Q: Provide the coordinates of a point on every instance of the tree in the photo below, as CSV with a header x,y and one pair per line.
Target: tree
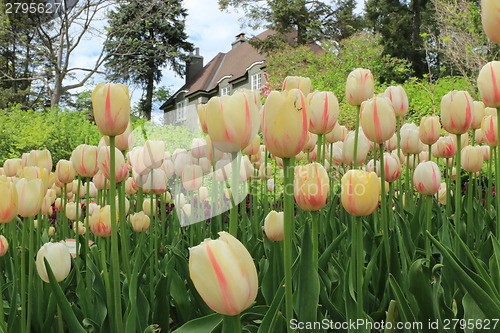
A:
x,y
144,37
313,20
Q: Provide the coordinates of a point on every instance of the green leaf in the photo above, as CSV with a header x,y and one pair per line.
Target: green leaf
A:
x,y
204,324
270,318
420,287
404,306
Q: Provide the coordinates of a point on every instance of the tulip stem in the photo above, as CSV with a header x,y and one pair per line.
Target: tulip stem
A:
x,y
448,188
30,224
87,257
356,135
357,259
233,215
458,188
489,194
288,231
314,224
398,137
497,178
122,219
430,153
231,324
23,276
428,226
383,207
115,263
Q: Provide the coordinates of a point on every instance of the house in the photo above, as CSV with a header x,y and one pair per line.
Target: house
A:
x,y
241,67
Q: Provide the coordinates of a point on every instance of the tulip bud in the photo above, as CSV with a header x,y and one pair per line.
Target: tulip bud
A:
x,y
486,152
399,99
192,177
59,259
472,158
84,160
456,112
9,201
441,195
186,209
131,186
41,159
65,172
51,231
490,112
180,161
111,103
4,245
427,178
203,193
430,129
198,148
479,136
153,153
232,121
71,211
99,180
490,130
477,114
360,192
100,222
311,186
377,119
104,163
270,185
224,274
146,207
30,196
392,167
446,147
12,167
253,146
156,182
273,226
79,228
297,82
285,123
338,133
323,109
140,221
490,16
359,86
348,149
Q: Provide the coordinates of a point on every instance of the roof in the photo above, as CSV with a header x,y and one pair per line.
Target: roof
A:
x,y
233,64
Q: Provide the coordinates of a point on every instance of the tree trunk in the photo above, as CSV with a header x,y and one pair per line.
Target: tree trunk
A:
x,y
148,100
418,63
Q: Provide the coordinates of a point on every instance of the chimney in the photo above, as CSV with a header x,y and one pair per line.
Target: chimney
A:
x,y
240,39
194,65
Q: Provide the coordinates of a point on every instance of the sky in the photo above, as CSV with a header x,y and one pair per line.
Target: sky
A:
x,y
209,29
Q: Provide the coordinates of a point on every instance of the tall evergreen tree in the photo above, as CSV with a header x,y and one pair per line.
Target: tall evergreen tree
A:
x,y
144,37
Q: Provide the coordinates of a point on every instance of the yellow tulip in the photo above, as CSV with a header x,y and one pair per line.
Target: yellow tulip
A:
x,y
100,221
41,159
65,171
111,103
12,167
323,108
202,116
8,203
273,226
338,133
297,82
285,123
84,159
224,274
104,164
140,221
30,196
360,192
377,119
478,111
430,129
310,186
490,17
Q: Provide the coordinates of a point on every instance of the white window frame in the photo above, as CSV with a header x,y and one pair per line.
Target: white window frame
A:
x,y
256,81
225,90
180,111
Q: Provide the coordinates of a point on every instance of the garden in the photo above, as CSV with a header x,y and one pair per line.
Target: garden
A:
x,y
277,217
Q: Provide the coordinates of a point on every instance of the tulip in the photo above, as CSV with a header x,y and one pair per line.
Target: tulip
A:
x,y
377,119
253,146
180,162
224,274
486,152
285,123
79,228
203,193
12,167
338,133
30,196
429,130
273,226
65,172
360,192
410,139
399,99
9,201
59,259
153,153
392,167
41,159
104,163
490,17
71,211
490,112
93,207
479,136
111,103
4,245
99,180
490,130
348,149
392,143
131,186
51,231
232,121
323,108
186,209
456,112
202,117
146,207
192,177
359,86
212,152
140,221
472,158
478,110
270,185
198,148
156,182
84,159
265,171
123,141
100,222
25,160
311,186
427,178
441,195
312,140
446,147
297,82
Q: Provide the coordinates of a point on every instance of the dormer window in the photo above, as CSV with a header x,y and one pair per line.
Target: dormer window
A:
x,y
180,111
225,90
256,81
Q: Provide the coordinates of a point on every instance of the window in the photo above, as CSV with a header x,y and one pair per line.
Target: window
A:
x,y
256,81
225,91
180,112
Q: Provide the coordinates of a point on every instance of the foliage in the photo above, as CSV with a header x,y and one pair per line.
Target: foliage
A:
x,y
56,130
174,136
143,38
327,69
